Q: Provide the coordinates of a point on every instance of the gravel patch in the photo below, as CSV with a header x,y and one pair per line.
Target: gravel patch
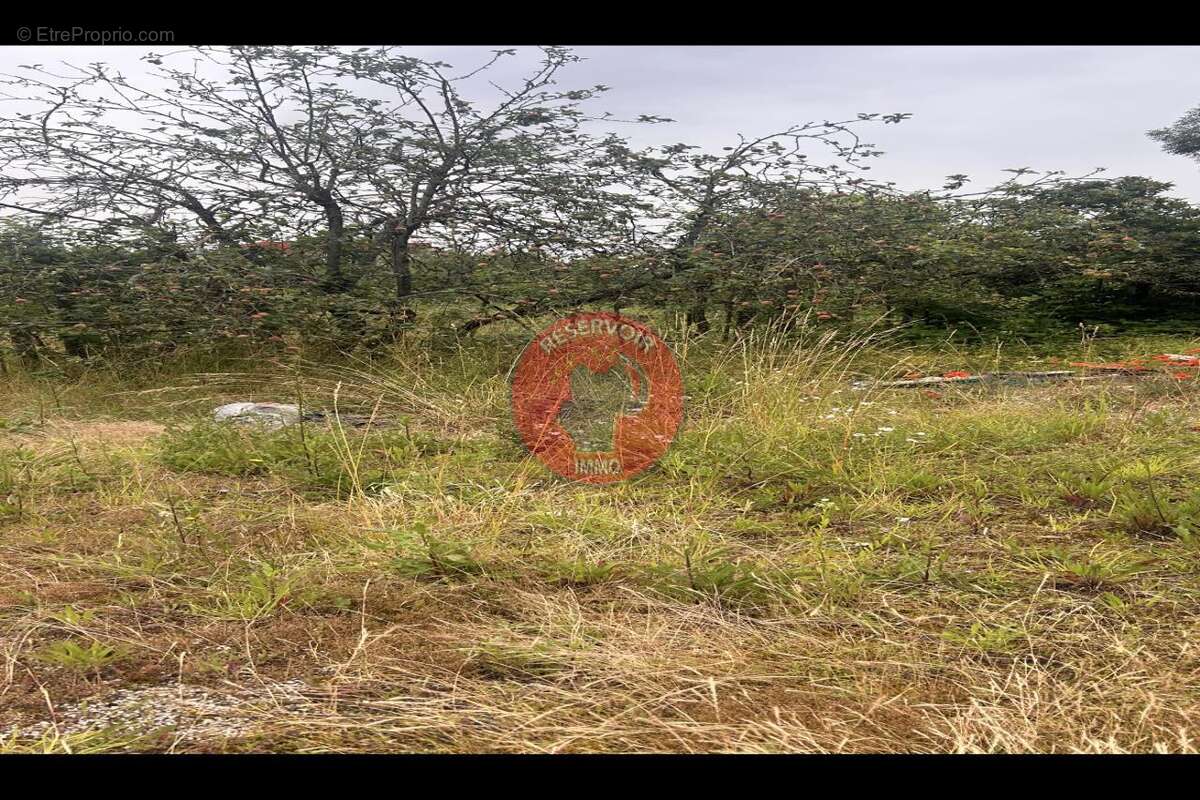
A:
x,y
190,712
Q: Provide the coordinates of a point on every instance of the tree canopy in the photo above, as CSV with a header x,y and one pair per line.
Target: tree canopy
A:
x,y
270,193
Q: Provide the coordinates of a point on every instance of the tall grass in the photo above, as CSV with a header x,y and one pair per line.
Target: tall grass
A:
x,y
809,569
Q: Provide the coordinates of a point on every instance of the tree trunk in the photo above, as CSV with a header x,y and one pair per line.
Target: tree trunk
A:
x,y
335,279
25,343
402,265
1142,297
697,316
73,344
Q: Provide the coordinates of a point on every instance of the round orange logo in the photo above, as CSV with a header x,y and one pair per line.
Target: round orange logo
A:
x,y
597,397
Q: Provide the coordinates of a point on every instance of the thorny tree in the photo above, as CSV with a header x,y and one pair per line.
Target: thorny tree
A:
x,y
249,142
518,173
687,191
694,189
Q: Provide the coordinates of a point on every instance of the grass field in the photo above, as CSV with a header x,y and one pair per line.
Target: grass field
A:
x,y
809,569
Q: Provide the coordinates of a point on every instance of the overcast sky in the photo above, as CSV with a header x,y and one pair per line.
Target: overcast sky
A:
x,y
976,110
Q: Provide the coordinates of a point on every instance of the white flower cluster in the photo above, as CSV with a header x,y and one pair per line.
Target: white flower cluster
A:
x,y
838,411
884,430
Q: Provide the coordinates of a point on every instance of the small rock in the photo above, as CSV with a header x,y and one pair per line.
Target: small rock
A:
x,y
268,415
278,415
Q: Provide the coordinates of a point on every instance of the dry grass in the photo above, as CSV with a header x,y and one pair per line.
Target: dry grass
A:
x,y
811,570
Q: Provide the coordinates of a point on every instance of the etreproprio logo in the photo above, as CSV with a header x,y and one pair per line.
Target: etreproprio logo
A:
x,y
597,397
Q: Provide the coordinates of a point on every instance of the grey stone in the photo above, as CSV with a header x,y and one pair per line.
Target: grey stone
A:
x,y
277,415
268,415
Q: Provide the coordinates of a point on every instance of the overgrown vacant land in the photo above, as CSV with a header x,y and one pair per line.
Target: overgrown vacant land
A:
x,y
811,568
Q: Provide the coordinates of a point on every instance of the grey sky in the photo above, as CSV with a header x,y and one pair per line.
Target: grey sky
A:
x,y
976,110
